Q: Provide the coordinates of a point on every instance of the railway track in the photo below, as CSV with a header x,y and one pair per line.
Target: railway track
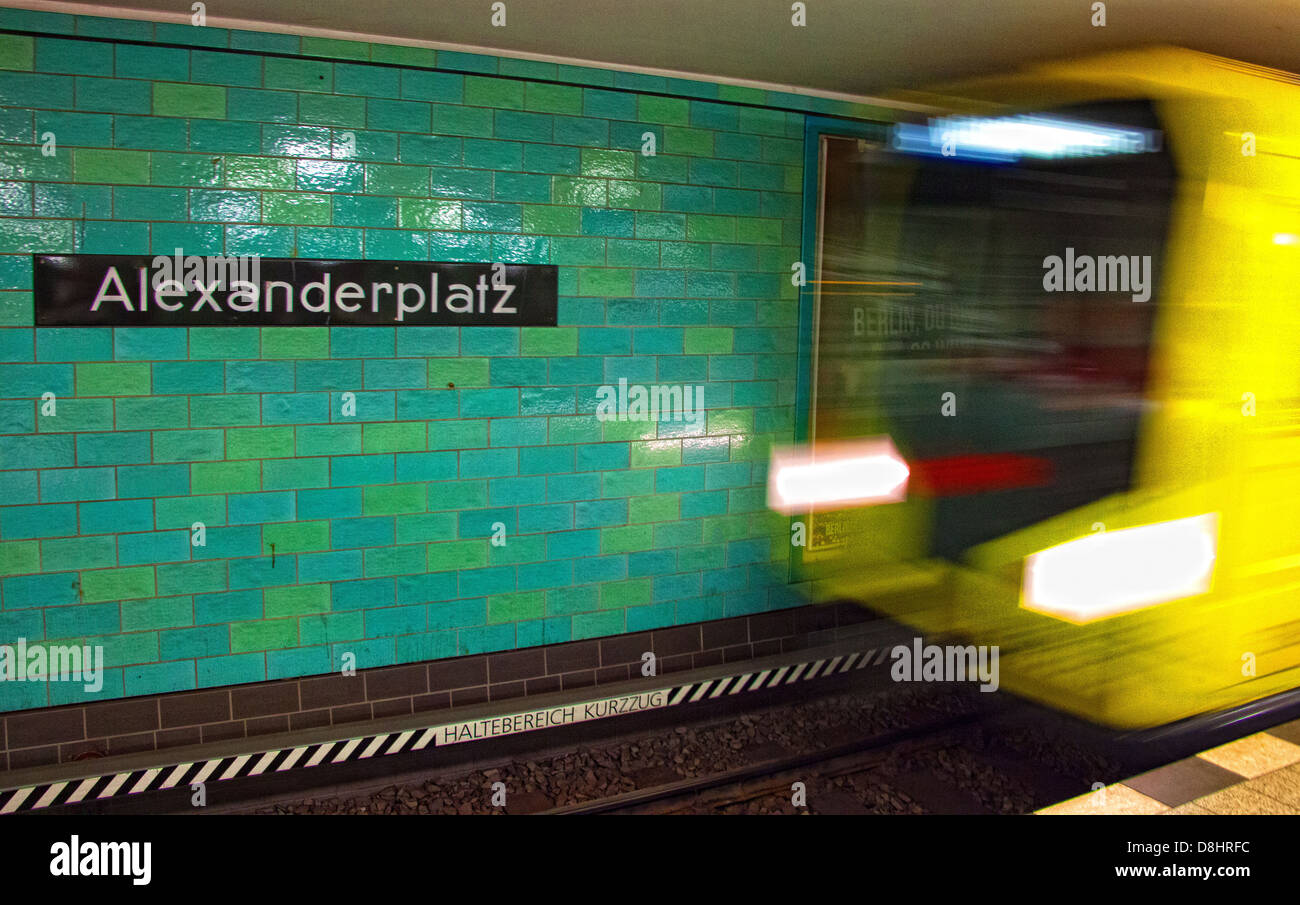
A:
x,y
979,762
938,750
767,776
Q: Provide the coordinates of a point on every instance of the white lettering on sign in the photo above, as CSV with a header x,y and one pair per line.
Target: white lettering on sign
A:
x,y
548,718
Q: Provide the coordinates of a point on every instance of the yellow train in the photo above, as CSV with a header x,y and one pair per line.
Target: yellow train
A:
x,y
1071,302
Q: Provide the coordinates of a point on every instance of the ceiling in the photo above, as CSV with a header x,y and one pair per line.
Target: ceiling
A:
x,y
858,47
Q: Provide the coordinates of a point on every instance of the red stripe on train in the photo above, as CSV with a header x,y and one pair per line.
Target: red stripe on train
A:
x,y
957,475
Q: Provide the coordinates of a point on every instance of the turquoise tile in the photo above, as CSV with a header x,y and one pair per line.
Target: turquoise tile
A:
x,y
397,116
264,41
144,61
113,95
207,36
138,203
262,106
466,62
128,29
298,75
118,237
72,57
584,131
18,89
34,20
444,87
370,81
231,670
90,130
232,69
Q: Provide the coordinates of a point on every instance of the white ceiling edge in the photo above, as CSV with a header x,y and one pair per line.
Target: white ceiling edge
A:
x,y
183,18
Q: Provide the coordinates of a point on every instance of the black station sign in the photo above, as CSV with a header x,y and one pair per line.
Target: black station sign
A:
x,y
242,291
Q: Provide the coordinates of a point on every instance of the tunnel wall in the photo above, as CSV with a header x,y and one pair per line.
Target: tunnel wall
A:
x,y
673,269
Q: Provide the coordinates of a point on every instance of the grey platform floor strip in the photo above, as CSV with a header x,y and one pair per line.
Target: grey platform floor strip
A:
x,y
260,762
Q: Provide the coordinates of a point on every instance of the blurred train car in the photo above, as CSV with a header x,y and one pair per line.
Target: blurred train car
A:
x,y
1072,305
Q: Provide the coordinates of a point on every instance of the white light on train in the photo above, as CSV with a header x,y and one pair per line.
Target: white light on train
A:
x,y
839,475
1008,138
1120,571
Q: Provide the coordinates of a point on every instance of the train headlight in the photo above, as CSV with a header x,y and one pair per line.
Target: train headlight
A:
x,y
840,475
1120,571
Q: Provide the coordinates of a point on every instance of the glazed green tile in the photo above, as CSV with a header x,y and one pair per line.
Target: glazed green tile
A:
x,y
296,600
673,111
754,230
464,554
193,101
427,213
625,593
549,341
383,179
16,52
259,173
225,342
260,443
402,436
707,228
301,208
117,584
599,162
730,421
692,142
295,342
741,94
295,537
606,281
458,372
332,110
648,453
119,167
708,340
626,539
402,55
113,379
574,190
516,606
629,430
268,635
19,557
659,508
334,48
225,477
546,98
551,220
298,75
394,499
489,92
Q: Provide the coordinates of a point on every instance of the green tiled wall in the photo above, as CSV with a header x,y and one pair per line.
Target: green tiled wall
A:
x,y
370,534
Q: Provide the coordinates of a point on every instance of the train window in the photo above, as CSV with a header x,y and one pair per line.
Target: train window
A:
x,y
970,308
